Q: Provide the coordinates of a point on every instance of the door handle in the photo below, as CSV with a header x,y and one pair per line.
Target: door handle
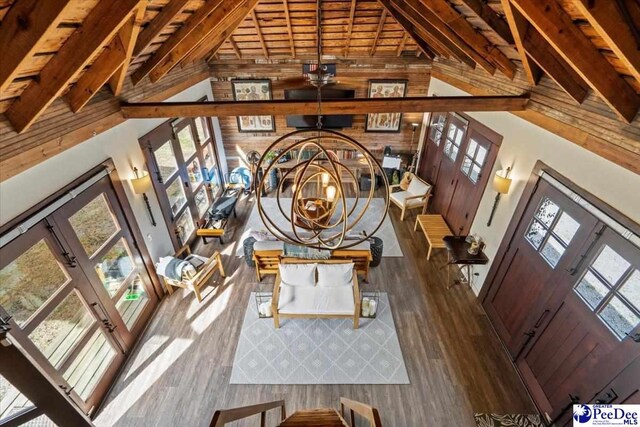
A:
x,y
606,397
635,337
530,334
539,322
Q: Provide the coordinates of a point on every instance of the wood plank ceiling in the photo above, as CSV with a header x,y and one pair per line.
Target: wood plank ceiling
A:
x,y
73,48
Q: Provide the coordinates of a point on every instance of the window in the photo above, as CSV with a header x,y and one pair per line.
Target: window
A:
x,y
453,141
611,288
473,160
437,126
551,231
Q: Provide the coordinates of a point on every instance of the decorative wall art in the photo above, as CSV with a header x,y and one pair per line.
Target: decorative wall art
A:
x,y
253,90
385,122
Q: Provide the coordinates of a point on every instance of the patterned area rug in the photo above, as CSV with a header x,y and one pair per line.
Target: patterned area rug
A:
x,y
319,351
509,420
368,222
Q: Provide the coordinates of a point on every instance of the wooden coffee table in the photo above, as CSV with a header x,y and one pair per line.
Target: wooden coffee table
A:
x,y
434,228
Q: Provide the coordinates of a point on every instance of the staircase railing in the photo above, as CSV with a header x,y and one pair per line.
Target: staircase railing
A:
x,y
223,416
368,412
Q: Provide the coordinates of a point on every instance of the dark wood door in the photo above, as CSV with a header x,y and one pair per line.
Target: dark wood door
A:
x,y
448,169
432,152
477,160
98,234
589,339
54,315
182,160
550,235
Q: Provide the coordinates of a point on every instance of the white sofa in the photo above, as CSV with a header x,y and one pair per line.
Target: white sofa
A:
x,y
326,288
415,196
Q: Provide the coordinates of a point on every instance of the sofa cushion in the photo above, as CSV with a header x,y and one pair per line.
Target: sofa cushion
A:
x,y
335,274
417,187
400,196
316,300
268,245
298,274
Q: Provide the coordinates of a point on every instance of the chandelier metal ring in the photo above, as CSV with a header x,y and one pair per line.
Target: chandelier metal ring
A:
x,y
321,215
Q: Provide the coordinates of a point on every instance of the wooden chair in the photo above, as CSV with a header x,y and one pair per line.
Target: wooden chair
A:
x,y
211,265
266,262
415,196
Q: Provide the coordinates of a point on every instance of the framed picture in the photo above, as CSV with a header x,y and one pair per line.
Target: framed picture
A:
x,y
253,90
385,122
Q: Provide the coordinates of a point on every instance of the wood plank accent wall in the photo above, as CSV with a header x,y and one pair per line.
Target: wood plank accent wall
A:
x,y
592,124
417,72
60,129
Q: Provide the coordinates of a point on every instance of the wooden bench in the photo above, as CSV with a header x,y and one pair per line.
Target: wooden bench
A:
x,y
266,261
435,229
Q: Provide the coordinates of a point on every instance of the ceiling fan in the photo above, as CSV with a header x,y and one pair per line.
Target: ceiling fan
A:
x,y
320,76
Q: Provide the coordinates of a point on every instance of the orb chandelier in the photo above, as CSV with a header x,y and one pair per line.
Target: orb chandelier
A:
x,y
326,201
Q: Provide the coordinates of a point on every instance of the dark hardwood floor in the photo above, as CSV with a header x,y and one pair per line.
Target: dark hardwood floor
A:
x,y
179,372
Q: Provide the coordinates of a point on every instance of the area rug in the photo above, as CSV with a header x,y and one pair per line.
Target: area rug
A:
x,y
319,351
367,223
509,420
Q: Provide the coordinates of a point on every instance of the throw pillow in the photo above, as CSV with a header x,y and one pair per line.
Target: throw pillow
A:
x,y
298,274
335,274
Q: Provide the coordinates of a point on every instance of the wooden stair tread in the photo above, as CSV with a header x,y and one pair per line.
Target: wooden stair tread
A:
x,y
320,417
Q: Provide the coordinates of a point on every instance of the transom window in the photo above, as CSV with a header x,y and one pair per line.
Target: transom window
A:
x,y
610,287
551,231
437,126
453,141
473,160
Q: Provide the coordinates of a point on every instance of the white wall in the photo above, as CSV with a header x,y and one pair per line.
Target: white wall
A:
x,y
523,145
120,143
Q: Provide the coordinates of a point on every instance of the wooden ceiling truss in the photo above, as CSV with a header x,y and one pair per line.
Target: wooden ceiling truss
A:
x,y
66,49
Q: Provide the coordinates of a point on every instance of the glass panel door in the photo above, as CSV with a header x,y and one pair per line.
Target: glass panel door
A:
x,y
54,315
99,237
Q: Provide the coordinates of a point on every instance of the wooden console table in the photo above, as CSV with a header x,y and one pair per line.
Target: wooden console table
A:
x,y
435,229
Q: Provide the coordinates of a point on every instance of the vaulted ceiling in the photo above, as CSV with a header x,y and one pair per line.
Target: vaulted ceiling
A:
x,y
73,48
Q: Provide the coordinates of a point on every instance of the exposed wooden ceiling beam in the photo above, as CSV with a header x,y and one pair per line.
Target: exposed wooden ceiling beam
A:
x,y
23,29
426,39
402,44
100,25
128,35
544,56
475,40
383,18
518,25
256,24
418,14
289,30
213,23
491,18
168,13
167,47
109,60
425,45
234,46
608,21
571,43
335,106
352,14
209,46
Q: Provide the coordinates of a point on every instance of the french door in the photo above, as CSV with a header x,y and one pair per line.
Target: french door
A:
x,y
184,165
430,164
565,301
448,167
77,293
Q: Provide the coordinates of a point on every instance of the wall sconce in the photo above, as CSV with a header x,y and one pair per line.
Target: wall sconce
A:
x,y
501,184
141,184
